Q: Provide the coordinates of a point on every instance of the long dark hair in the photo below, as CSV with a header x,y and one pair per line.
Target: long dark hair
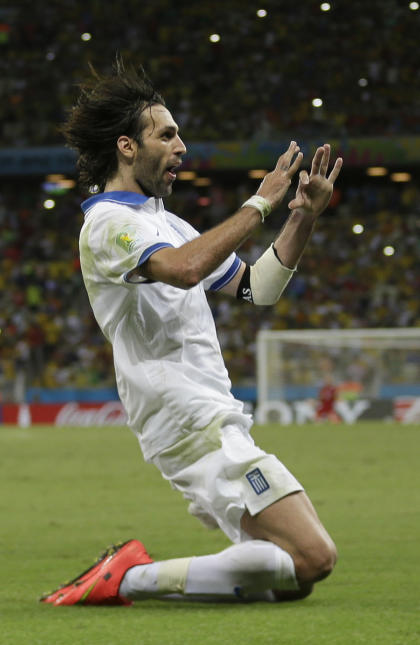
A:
x,y
107,107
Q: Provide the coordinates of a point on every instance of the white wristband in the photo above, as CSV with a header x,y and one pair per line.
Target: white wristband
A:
x,y
260,203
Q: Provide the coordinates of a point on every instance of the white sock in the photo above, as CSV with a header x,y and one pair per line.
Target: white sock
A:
x,y
241,570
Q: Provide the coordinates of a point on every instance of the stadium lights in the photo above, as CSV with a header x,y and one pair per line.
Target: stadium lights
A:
x,y
400,176
186,175
317,102
325,6
362,82
376,171
202,181
261,13
257,173
358,229
414,6
388,251
214,38
49,204
86,36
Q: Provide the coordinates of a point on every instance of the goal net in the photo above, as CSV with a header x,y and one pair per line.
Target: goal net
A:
x,y
371,373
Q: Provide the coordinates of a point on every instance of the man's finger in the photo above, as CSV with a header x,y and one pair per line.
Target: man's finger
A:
x,y
295,165
284,160
325,159
303,177
316,161
336,170
297,202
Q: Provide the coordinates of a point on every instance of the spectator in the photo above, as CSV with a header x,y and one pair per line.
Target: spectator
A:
x,y
48,331
361,59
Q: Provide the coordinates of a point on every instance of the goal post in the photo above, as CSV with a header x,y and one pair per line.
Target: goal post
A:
x,y
369,368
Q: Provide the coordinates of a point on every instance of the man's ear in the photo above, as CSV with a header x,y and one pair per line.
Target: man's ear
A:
x,y
127,147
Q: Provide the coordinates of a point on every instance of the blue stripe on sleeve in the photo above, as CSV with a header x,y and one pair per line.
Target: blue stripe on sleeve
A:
x,y
145,256
152,249
227,277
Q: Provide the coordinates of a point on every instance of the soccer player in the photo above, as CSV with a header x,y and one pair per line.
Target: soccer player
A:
x,y
146,272
327,398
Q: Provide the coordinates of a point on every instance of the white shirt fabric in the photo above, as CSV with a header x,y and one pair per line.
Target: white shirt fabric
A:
x,y
170,373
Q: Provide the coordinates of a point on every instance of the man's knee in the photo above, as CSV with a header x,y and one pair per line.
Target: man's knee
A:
x,y
317,562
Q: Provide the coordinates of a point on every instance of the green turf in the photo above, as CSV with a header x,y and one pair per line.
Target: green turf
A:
x,y
67,493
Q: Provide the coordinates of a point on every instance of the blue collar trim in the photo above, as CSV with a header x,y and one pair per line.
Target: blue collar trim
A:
x,y
116,196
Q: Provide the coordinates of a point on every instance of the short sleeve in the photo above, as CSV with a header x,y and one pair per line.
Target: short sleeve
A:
x,y
223,274
121,244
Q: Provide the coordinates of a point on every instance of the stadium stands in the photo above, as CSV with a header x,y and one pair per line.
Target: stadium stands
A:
x,y
344,280
257,82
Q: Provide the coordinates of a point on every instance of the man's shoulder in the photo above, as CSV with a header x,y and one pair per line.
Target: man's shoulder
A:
x,y
104,215
110,214
106,208
114,202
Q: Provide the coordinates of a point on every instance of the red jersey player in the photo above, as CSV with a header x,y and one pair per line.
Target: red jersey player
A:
x,y
326,400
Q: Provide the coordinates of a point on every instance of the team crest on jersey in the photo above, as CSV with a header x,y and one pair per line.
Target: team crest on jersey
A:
x,y
125,241
257,481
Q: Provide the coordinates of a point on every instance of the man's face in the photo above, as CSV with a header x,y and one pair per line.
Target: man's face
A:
x,y
159,154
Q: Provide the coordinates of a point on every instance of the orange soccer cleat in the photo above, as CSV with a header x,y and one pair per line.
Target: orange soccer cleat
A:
x,y
99,584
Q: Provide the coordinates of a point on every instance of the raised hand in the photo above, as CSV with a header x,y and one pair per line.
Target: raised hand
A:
x,y
314,190
276,183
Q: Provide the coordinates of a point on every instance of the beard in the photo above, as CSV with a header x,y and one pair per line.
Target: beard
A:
x,y
152,182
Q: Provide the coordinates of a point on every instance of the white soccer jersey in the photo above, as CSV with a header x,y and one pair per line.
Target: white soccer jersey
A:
x,y
170,373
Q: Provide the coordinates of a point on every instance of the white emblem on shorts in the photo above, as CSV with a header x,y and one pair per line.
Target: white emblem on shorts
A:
x,y
257,481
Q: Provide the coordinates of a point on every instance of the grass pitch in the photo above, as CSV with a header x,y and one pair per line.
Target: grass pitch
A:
x,y
69,492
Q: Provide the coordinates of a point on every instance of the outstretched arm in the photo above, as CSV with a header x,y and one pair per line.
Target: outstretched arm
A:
x,y
187,265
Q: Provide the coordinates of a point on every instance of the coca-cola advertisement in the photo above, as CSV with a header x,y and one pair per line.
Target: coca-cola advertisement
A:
x,y
64,414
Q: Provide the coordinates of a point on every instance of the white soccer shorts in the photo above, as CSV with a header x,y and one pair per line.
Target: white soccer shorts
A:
x,y
222,472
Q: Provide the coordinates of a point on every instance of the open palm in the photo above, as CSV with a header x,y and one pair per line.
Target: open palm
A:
x,y
314,190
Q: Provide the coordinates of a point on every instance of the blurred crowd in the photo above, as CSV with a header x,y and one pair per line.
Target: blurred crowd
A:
x,y
257,81
49,337
227,73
